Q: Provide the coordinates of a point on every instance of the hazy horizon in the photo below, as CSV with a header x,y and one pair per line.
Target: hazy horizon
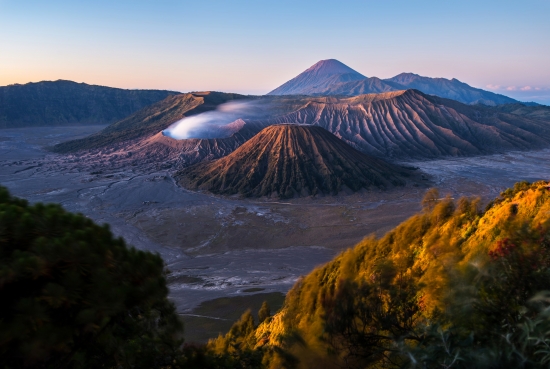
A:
x,y
252,48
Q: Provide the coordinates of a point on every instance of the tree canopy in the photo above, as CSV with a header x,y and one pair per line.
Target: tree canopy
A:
x,y
451,287
73,296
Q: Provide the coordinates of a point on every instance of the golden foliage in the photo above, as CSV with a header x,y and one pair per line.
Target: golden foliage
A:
x,y
406,277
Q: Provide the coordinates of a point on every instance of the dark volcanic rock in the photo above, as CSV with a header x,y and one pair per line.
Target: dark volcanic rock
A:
x,y
398,125
63,103
288,160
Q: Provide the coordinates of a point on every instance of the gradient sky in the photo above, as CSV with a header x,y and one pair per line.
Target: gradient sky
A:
x,y
254,46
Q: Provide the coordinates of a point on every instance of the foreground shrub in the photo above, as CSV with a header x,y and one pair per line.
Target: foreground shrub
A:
x,y
73,296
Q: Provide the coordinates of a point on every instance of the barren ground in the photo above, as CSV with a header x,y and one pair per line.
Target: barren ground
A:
x,y
228,254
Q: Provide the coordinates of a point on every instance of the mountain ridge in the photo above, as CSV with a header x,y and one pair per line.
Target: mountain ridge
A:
x,y
336,84
395,125
410,124
62,102
149,120
450,89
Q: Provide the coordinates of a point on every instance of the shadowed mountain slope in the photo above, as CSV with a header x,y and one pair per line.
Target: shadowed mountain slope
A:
x,y
407,124
150,120
288,160
450,89
337,81
535,112
60,103
320,76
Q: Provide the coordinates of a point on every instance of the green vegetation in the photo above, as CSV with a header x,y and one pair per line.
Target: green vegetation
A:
x,y
264,313
75,297
451,287
214,316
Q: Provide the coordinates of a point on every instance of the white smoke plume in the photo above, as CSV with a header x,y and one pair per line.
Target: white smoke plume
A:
x,y
220,123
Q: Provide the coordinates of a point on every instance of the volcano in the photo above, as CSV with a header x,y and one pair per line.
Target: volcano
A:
x,y
318,77
333,78
409,124
289,160
149,121
396,125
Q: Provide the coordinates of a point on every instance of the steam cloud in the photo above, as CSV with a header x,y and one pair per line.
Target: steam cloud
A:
x,y
222,122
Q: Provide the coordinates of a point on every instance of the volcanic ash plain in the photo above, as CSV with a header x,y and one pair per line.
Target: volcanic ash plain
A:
x,y
229,254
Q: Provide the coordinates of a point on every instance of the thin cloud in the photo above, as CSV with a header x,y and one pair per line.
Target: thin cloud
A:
x,y
515,88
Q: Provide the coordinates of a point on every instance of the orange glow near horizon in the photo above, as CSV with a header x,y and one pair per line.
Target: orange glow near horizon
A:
x,y
140,77
253,48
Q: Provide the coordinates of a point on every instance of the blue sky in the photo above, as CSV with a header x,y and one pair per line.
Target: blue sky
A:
x,y
253,46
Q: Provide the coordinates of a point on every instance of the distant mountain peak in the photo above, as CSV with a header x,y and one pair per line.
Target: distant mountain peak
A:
x,y
405,78
408,74
330,67
322,74
449,89
332,77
